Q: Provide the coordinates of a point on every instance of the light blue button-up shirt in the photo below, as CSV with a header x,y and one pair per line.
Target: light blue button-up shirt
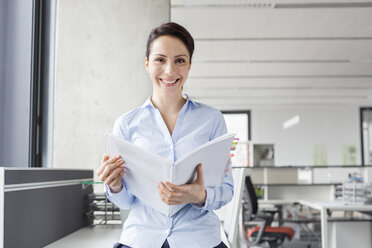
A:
x,y
194,225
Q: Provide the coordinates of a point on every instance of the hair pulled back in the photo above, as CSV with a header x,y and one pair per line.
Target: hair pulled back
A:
x,y
172,29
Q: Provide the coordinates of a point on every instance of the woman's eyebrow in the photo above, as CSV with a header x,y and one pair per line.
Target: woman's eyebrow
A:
x,y
180,55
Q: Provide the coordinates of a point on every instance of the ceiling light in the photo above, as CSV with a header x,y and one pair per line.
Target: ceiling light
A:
x,y
361,60
291,122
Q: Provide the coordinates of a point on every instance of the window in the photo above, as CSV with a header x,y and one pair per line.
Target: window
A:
x,y
41,107
239,122
366,134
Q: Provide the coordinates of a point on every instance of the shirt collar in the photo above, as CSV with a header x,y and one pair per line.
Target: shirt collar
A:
x,y
148,102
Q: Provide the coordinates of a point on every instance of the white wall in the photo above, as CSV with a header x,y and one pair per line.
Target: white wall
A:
x,y
330,125
100,72
15,61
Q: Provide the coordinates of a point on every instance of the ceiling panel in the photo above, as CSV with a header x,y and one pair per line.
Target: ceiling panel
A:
x,y
282,83
280,94
243,22
279,52
278,69
273,102
283,50
214,2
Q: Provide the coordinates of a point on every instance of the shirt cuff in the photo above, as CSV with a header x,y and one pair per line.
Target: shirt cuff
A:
x,y
113,195
208,200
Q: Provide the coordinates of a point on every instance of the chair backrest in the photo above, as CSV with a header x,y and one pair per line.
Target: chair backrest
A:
x,y
233,208
250,204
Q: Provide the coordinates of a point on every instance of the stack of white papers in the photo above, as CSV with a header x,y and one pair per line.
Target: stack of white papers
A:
x,y
144,170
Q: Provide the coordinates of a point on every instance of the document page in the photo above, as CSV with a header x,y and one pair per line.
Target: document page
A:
x,y
214,156
142,171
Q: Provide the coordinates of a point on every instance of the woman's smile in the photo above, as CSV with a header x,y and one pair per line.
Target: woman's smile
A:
x,y
168,65
169,82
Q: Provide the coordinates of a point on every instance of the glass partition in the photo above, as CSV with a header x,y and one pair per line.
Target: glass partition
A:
x,y
366,130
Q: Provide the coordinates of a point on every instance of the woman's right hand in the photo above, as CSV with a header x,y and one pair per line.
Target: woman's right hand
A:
x,y
111,171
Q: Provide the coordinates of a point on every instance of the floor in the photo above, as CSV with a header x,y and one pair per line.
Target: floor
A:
x,y
90,237
106,235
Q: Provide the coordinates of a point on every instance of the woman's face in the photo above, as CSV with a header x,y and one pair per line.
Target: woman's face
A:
x,y
168,64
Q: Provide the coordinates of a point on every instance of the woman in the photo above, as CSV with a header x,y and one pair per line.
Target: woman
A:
x,y
171,125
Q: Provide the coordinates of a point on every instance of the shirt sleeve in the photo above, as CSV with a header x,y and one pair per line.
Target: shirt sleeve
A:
x,y
123,199
220,195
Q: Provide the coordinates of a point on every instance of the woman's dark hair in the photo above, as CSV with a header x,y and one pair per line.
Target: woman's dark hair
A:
x,y
172,29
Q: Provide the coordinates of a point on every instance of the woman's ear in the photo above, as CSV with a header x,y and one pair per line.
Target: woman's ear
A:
x,y
147,65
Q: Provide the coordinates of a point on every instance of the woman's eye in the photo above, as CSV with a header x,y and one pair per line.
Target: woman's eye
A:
x,y
180,61
159,60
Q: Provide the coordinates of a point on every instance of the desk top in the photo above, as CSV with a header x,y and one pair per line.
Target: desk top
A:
x,y
337,205
276,202
302,166
296,184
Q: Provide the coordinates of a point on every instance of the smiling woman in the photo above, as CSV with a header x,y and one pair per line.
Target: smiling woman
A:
x,y
178,125
168,62
168,66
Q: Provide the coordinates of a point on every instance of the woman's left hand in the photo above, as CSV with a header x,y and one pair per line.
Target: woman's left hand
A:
x,y
187,193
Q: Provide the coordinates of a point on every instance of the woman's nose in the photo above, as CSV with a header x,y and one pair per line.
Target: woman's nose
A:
x,y
169,68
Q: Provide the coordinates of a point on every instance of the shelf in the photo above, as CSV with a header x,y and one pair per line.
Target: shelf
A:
x,y
296,184
303,166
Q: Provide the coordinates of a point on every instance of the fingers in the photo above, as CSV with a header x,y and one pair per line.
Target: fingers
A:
x,y
117,185
199,174
169,197
112,160
105,157
114,176
173,187
108,170
118,181
164,190
111,163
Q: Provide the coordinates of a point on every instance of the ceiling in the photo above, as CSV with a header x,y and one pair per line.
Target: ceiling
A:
x,y
282,52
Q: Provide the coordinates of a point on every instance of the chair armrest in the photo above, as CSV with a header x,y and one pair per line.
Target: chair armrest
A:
x,y
268,217
263,226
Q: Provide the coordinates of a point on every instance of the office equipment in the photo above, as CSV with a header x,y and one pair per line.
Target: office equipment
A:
x,y
315,183
102,211
354,192
39,206
144,170
264,233
326,208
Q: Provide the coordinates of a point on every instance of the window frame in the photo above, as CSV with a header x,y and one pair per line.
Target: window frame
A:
x,y
42,83
362,110
248,112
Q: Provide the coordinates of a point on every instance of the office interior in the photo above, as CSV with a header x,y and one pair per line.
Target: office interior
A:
x,y
293,79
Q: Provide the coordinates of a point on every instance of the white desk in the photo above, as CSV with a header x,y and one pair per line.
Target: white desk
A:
x,y
276,202
324,207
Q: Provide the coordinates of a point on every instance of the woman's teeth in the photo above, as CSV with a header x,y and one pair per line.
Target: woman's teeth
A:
x,y
169,82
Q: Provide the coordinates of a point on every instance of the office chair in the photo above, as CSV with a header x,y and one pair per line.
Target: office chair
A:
x,y
231,225
264,233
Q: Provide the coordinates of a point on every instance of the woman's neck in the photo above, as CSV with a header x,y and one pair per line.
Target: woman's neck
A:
x,y
168,104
